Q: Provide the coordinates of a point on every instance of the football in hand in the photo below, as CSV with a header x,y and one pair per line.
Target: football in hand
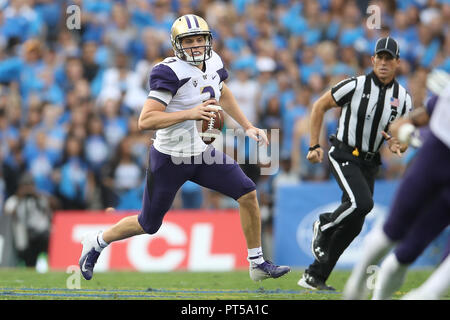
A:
x,y
212,129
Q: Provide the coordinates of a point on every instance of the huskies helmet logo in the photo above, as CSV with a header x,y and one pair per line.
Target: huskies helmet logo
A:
x,y
190,25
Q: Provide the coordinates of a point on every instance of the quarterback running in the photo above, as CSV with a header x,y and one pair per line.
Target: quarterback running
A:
x,y
184,89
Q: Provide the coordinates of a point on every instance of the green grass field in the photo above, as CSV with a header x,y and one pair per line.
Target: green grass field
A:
x,y
26,284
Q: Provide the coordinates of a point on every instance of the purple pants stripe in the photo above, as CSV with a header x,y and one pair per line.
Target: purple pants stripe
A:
x,y
421,208
165,177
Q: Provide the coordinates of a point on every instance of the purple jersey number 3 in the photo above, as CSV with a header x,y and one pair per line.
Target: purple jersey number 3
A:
x,y
210,90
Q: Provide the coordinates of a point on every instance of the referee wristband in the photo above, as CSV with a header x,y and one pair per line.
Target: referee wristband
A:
x,y
314,147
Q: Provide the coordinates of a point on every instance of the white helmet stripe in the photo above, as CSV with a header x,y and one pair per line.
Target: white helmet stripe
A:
x,y
196,21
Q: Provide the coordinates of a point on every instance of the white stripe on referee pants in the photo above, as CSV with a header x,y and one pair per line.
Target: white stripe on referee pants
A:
x,y
347,189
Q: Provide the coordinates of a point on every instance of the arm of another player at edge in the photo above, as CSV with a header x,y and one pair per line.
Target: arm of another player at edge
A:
x,y
417,117
230,106
322,105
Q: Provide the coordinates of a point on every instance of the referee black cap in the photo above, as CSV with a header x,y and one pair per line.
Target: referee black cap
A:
x,y
388,44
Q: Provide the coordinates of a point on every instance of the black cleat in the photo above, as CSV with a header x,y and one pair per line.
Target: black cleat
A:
x,y
310,282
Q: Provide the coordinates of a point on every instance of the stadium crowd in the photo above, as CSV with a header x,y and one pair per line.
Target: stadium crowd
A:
x,y
70,98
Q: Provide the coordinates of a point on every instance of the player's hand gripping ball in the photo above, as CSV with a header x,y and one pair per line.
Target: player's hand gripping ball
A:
x,y
212,129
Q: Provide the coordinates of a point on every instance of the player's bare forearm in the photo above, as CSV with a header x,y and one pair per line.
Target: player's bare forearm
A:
x,y
154,117
231,107
403,128
417,118
154,120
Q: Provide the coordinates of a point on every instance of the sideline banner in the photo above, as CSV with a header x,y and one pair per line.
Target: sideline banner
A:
x,y
297,207
194,240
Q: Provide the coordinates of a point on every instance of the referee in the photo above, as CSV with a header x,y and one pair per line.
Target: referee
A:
x,y
369,103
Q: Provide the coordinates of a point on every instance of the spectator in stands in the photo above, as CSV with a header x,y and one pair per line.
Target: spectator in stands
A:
x,y
271,118
148,54
139,141
119,33
13,166
245,90
121,79
91,67
300,145
71,74
24,70
40,163
115,124
74,181
98,155
8,133
125,177
295,110
21,20
95,145
266,67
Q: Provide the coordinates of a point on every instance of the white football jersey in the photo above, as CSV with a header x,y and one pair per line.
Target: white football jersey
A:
x,y
181,86
440,119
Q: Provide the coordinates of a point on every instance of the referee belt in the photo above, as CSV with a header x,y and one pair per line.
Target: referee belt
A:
x,y
367,156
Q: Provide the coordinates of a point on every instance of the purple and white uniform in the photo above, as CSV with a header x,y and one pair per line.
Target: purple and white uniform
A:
x,y
181,86
178,153
421,209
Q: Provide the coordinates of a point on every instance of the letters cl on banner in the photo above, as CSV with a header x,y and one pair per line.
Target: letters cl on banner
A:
x,y
194,240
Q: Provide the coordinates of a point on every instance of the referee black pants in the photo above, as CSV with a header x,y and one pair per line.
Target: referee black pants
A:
x,y
356,178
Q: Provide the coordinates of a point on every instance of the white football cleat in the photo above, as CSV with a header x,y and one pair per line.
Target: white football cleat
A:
x,y
267,270
89,255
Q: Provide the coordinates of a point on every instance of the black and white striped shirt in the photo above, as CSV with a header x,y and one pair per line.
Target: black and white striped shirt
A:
x,y
368,107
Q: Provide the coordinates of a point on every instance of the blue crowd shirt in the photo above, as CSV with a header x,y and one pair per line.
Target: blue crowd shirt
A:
x,y
74,175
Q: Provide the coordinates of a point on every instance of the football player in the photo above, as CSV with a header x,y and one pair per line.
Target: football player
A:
x,y
182,90
421,208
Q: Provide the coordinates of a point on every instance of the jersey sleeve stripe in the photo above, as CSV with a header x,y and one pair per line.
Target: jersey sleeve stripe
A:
x,y
159,100
342,92
161,96
223,74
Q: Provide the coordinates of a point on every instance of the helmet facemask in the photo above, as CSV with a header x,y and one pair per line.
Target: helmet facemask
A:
x,y
187,54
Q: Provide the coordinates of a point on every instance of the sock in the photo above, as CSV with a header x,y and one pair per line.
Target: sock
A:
x,y
437,284
102,244
375,246
255,255
390,278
